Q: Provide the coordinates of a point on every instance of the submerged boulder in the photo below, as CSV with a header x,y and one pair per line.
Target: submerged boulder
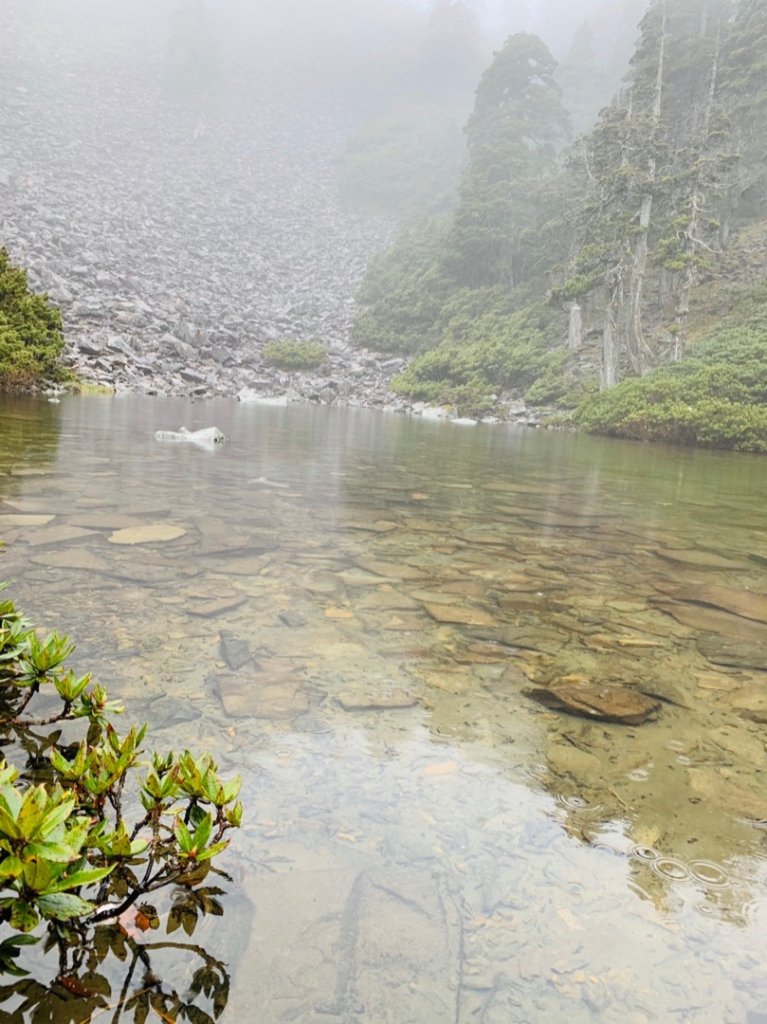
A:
x,y
608,702
208,437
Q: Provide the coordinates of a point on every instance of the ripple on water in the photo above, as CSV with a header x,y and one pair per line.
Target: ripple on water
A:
x,y
711,874
706,909
669,867
646,853
572,803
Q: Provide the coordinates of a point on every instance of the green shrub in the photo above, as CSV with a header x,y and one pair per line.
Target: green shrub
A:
x,y
499,350
404,292
295,355
557,386
87,830
30,331
716,397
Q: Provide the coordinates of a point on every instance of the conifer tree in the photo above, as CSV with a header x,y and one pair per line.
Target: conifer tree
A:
x,y
513,132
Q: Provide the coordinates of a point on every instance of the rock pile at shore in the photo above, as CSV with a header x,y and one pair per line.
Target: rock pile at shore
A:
x,y
179,237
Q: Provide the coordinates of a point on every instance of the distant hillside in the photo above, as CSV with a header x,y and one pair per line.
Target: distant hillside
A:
x,y
561,270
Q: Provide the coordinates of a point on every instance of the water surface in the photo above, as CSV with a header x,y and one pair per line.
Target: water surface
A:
x,y
353,619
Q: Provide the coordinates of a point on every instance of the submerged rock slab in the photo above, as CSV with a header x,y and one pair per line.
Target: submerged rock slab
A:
x,y
234,650
459,615
273,695
389,570
79,559
607,702
355,944
747,604
695,558
735,653
750,702
216,606
22,519
364,701
727,795
151,533
54,535
703,618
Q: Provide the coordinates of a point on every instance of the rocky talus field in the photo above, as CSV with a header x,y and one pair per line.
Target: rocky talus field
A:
x,y
179,236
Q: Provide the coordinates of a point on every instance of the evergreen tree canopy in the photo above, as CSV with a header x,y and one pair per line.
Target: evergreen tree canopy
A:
x,y
513,132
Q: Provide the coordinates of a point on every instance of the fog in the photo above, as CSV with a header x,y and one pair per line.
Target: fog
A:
x,y
337,40
199,176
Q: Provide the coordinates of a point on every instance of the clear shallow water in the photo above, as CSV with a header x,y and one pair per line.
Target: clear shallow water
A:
x,y
424,842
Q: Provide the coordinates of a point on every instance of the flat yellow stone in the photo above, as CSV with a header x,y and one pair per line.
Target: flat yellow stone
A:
x,y
151,533
460,615
24,520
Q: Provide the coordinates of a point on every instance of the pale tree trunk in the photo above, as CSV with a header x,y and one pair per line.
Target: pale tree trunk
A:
x,y
638,351
610,342
575,328
696,207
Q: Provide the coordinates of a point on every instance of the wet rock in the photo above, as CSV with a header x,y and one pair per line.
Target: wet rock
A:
x,y
361,700
234,650
216,606
670,691
750,702
292,619
271,694
104,521
521,638
462,615
605,701
726,795
697,559
150,534
24,520
54,535
166,712
711,620
79,559
390,570
565,759
737,653
745,603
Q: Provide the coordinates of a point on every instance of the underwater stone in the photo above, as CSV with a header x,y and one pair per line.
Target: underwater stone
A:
x,y
605,701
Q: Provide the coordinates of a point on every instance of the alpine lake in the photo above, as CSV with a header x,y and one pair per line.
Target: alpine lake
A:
x,y
498,698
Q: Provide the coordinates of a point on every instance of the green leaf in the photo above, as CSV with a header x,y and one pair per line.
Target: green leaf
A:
x,y
24,917
56,816
64,906
10,867
8,825
183,837
38,874
86,877
32,811
212,850
232,788
59,853
202,833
